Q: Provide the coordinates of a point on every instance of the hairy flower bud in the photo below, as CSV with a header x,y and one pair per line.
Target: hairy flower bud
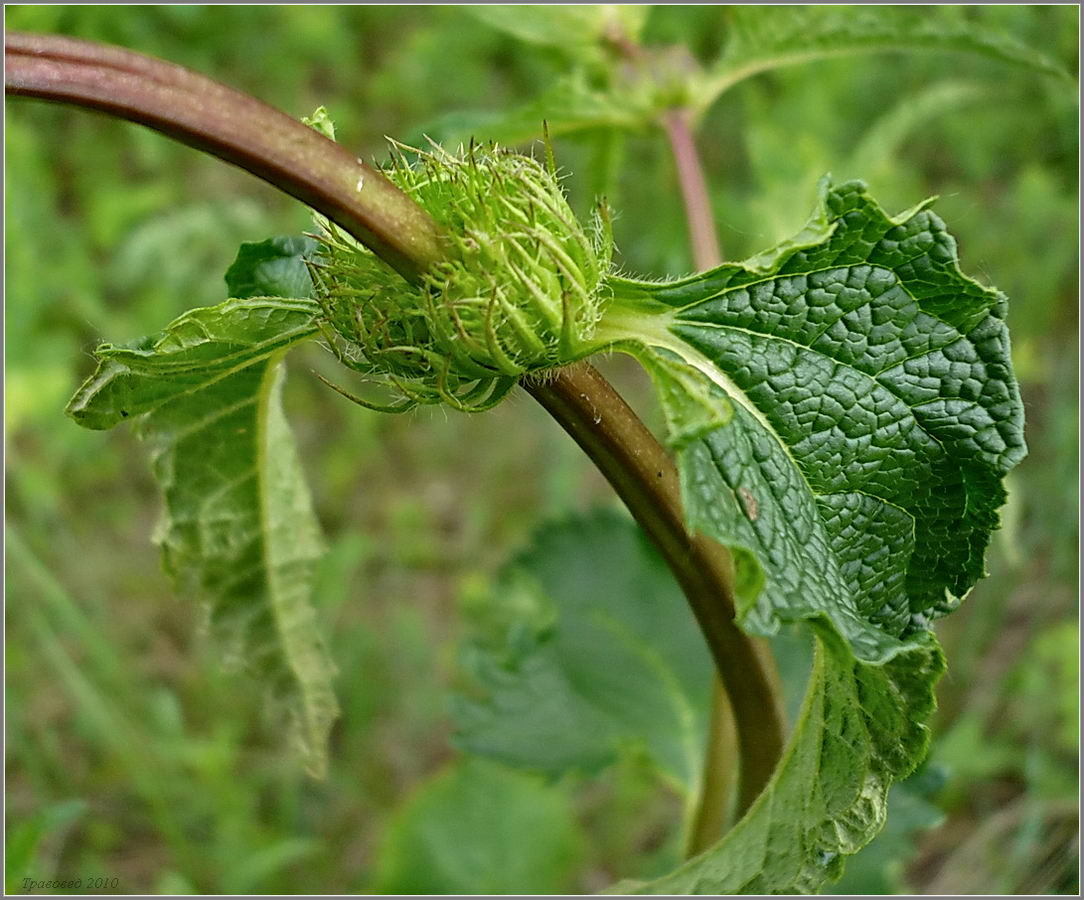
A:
x,y
520,290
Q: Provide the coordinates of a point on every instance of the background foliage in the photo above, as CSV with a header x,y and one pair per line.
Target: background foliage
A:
x,y
132,754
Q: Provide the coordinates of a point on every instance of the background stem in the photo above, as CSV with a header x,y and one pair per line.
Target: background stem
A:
x,y
720,775
716,803
694,190
645,478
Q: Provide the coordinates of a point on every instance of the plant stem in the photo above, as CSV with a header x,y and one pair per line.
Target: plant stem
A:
x,y
716,798
241,130
645,478
719,779
233,126
694,190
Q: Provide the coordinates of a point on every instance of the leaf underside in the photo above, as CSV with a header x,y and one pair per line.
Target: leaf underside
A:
x,y
238,532
870,414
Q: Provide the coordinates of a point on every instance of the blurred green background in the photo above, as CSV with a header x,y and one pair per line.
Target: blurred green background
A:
x,y
131,754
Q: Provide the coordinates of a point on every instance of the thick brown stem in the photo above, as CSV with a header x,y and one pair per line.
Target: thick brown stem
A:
x,y
233,126
716,799
644,477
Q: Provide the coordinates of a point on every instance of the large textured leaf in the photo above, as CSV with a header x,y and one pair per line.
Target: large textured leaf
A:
x,y
238,531
478,828
614,659
857,480
761,38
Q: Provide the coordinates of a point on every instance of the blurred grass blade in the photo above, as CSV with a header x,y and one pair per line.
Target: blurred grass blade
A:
x,y
875,152
23,843
101,707
238,531
256,870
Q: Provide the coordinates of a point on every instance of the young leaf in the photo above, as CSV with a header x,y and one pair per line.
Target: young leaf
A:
x,y
769,37
857,482
272,268
614,659
238,531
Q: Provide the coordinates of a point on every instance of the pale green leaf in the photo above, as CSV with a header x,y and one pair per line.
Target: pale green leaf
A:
x,y
195,351
576,30
570,105
761,38
478,828
857,482
597,653
238,531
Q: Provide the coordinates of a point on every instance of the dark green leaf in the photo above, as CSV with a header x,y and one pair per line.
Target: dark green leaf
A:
x,y
613,659
238,531
875,413
272,268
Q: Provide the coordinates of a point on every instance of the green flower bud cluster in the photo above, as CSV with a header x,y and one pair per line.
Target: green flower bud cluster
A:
x,y
521,288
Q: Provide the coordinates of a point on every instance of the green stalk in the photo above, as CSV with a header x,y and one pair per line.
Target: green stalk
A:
x,y
703,239
716,804
645,478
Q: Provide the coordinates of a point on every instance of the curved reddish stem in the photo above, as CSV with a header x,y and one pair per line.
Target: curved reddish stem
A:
x,y
694,190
